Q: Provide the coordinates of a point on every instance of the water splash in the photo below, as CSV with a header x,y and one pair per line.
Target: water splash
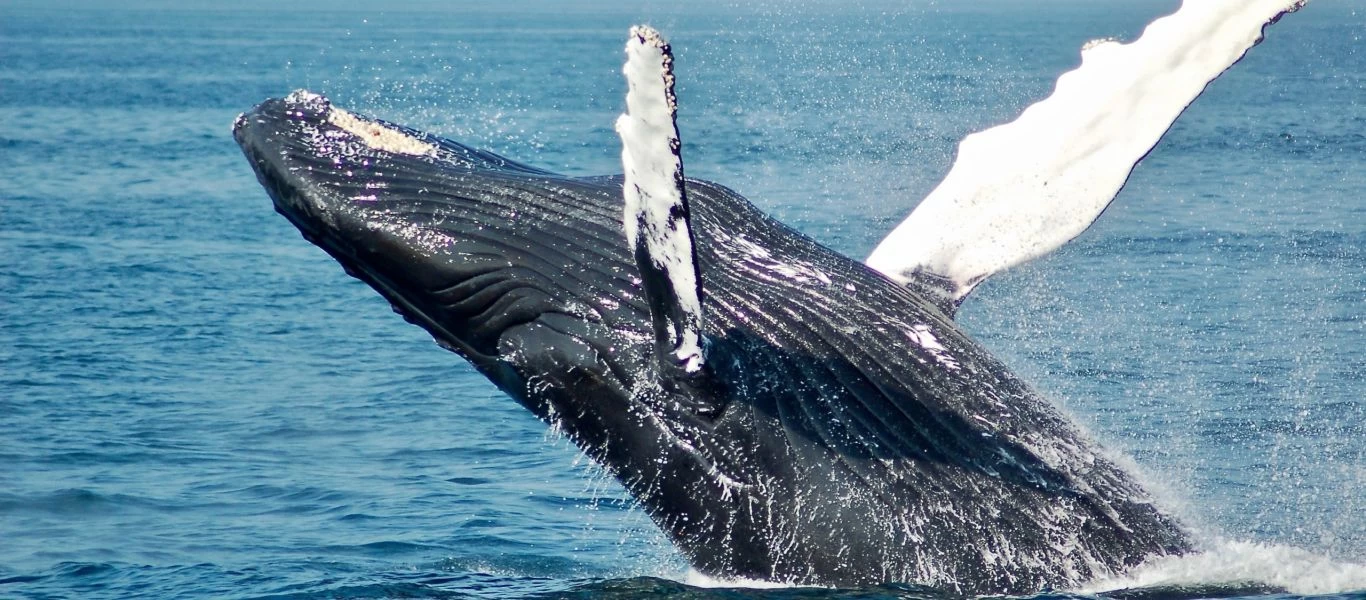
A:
x,y
1239,562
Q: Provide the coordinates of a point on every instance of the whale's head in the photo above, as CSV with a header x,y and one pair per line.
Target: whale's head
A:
x,y
497,260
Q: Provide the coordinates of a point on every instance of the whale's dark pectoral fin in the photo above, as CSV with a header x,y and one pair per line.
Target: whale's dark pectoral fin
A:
x,y
1020,190
656,216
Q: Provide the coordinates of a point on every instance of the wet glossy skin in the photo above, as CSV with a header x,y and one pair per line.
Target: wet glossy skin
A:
x,y
845,431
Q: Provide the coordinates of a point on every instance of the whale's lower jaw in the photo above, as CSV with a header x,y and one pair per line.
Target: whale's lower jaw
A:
x,y
846,431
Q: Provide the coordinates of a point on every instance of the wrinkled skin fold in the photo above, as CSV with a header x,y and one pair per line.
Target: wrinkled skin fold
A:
x,y
844,431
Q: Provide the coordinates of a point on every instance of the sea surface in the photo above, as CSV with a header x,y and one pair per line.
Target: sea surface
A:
x,y
196,403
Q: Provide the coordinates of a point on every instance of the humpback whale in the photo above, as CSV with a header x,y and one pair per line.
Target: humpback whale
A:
x,y
781,411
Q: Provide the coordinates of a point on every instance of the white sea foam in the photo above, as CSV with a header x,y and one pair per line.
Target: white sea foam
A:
x,y
1236,562
695,578
1227,562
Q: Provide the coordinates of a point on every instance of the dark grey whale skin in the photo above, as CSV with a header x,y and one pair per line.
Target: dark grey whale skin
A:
x,y
844,431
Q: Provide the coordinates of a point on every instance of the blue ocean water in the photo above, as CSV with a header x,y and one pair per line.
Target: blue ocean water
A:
x,y
194,402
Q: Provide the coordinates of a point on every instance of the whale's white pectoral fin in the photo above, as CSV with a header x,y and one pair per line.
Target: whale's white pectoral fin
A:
x,y
1020,190
656,214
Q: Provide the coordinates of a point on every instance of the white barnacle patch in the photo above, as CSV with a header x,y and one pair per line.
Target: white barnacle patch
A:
x,y
921,335
378,136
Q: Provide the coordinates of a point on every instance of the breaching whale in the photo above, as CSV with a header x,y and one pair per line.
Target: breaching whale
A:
x,y
781,411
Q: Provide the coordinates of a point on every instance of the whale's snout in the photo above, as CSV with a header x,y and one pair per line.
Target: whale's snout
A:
x,y
320,162
280,139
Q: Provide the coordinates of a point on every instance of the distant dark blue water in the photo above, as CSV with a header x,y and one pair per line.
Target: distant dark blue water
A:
x,y
194,402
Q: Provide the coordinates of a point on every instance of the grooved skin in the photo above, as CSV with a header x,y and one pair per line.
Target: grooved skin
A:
x,y
831,443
